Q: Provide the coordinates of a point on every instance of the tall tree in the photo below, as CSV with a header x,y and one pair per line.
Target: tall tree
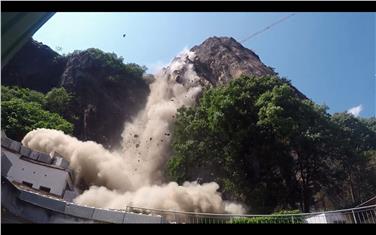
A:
x,y
304,128
356,146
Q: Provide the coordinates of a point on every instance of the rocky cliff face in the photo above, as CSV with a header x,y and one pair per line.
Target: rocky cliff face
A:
x,y
107,96
104,96
35,66
215,62
219,59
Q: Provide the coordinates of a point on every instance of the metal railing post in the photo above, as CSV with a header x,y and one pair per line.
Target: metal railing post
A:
x,y
353,213
336,216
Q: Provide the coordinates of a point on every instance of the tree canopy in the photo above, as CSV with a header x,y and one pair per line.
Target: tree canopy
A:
x,y
23,110
266,146
58,100
113,63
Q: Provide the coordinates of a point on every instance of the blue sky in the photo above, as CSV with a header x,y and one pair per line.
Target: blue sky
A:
x,y
330,57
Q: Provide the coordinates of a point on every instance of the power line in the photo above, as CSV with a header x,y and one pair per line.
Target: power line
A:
x,y
267,27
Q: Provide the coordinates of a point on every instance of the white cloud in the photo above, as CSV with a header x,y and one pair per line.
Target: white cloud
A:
x,y
355,110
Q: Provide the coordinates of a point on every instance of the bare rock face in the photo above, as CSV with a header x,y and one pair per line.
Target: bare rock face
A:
x,y
35,66
105,96
219,59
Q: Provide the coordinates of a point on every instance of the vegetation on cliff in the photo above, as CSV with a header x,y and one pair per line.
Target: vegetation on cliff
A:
x,y
23,110
272,150
93,90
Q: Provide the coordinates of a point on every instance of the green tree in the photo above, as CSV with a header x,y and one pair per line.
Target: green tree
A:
x,y
356,148
370,123
305,129
23,110
58,100
221,140
25,94
271,148
20,117
117,70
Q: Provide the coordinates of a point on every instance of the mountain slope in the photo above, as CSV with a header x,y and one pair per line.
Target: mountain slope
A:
x,y
218,59
106,92
35,66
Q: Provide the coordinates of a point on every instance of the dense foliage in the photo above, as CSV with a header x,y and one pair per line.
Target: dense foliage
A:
x,y
92,89
272,149
27,95
356,160
23,110
58,100
111,62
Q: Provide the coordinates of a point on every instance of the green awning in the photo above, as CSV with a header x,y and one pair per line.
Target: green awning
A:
x,y
17,28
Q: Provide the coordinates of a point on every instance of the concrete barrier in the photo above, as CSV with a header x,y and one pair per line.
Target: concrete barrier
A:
x,y
5,141
42,157
76,211
6,164
142,219
42,201
34,155
79,211
108,216
15,146
25,151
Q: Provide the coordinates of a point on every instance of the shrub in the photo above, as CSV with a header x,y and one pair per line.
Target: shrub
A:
x,y
275,218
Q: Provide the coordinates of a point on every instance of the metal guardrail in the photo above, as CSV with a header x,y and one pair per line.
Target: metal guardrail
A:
x,y
365,214
359,215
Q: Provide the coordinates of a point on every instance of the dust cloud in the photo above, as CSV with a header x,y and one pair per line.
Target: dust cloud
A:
x,y
133,175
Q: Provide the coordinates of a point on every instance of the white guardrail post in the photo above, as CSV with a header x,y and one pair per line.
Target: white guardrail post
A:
x,y
354,216
366,214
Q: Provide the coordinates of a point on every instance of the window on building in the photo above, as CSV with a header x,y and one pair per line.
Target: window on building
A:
x,y
45,189
27,184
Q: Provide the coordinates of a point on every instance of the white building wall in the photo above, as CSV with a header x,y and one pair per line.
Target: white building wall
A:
x,y
38,175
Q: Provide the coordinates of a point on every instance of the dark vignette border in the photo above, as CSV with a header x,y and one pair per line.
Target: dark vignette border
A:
x,y
189,6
